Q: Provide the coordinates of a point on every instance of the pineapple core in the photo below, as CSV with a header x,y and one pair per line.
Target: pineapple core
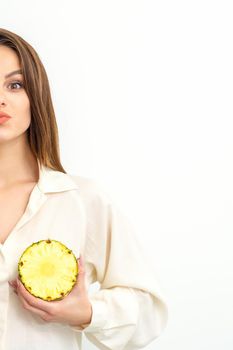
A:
x,y
47,269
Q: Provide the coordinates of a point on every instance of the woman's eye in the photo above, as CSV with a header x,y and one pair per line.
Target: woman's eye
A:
x,y
15,84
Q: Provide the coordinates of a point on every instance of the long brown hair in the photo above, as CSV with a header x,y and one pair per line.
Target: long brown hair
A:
x,y
43,131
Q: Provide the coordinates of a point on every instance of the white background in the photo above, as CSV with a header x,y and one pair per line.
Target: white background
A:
x,y
143,97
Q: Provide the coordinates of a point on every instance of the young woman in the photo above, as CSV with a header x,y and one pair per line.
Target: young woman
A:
x,y
38,199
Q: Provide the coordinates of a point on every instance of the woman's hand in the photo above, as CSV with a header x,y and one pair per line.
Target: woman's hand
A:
x,y
75,309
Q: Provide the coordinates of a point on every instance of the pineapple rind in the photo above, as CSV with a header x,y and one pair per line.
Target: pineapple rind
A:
x,y
64,260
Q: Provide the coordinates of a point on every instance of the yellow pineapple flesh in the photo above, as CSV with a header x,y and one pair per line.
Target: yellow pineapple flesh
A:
x,y
48,269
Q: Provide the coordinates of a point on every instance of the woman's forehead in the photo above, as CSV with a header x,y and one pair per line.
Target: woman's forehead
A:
x,y
9,61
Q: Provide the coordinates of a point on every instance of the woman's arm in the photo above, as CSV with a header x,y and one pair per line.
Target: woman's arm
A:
x,y
128,311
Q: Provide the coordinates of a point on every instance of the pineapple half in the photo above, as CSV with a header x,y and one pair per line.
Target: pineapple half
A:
x,y
48,269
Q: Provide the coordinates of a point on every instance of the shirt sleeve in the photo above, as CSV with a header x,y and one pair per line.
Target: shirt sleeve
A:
x,y
129,309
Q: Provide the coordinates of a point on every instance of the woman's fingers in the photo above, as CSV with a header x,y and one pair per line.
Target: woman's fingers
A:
x,y
18,290
12,284
37,303
45,316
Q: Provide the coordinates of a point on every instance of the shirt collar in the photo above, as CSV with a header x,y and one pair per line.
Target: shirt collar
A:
x,y
54,181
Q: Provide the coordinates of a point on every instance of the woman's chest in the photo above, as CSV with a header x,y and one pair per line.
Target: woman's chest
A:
x,y
57,216
13,203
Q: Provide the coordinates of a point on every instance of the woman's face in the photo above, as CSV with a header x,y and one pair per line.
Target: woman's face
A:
x,y
13,98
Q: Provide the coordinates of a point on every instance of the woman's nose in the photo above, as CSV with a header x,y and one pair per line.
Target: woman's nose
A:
x,y
2,101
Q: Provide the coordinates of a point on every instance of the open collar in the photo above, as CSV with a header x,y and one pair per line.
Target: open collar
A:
x,y
54,181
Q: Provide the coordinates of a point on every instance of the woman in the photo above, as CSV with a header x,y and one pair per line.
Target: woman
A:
x,y
38,199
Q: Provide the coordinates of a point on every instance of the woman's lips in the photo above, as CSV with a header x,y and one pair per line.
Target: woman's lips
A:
x,y
3,119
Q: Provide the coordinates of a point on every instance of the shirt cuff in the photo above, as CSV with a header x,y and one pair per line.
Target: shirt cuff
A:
x,y
99,317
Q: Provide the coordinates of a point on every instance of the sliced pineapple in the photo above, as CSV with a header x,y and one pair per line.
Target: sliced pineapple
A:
x,y
48,269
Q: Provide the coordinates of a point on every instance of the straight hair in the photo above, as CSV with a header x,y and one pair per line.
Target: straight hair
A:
x,y
42,133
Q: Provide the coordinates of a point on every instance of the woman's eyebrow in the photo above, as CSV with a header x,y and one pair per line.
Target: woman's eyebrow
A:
x,y
19,71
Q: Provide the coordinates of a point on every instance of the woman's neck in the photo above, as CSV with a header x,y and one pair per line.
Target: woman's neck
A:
x,y
17,163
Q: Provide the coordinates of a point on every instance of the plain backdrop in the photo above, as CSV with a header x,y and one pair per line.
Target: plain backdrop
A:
x,y
143,97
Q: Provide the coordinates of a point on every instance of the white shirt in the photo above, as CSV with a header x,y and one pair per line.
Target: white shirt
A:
x,y
129,310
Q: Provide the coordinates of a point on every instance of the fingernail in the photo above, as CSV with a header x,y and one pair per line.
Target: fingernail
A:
x,y
11,283
81,261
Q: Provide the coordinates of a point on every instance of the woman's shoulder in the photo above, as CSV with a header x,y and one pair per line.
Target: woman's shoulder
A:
x,y
84,183
91,188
